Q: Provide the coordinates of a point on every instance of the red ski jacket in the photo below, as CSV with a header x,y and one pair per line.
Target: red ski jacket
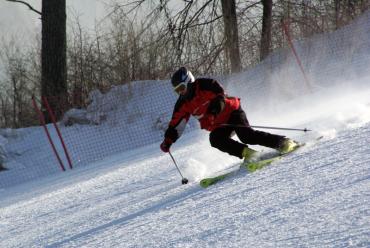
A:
x,y
195,102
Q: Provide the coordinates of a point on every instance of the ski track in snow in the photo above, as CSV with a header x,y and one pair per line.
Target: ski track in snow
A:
x,y
313,198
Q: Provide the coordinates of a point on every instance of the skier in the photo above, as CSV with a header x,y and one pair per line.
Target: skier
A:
x,y
222,115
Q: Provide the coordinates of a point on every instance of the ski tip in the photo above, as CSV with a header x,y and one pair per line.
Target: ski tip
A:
x,y
251,167
205,182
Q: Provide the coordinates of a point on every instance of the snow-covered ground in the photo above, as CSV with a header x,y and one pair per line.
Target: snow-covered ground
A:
x,y
316,197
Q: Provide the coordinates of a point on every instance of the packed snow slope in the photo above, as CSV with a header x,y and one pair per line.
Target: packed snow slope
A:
x,y
316,197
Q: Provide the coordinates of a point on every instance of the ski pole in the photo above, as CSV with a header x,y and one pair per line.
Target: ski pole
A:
x,y
264,127
184,180
284,128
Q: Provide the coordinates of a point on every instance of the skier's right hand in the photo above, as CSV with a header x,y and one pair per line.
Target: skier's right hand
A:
x,y
216,105
166,144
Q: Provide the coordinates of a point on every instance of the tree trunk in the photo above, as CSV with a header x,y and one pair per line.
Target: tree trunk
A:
x,y
351,10
337,13
231,34
266,29
53,54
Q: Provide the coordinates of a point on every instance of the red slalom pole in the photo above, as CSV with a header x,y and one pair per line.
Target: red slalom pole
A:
x,y
42,121
53,119
291,45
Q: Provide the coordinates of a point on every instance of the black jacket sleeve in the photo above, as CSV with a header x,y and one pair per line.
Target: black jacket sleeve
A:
x,y
211,85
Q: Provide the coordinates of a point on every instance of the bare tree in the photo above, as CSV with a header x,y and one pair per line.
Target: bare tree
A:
x,y
53,52
197,17
231,34
15,88
266,29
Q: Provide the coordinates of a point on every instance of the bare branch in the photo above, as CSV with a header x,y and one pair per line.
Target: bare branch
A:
x,y
27,4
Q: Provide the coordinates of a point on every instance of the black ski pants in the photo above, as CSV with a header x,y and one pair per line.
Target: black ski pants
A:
x,y
220,138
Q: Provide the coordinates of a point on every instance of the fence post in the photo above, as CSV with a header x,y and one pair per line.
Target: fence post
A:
x,y
291,45
52,116
42,122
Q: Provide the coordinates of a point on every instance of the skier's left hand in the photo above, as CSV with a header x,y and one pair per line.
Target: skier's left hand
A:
x,y
216,105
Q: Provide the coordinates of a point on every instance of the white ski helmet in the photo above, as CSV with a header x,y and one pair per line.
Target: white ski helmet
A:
x,y
182,76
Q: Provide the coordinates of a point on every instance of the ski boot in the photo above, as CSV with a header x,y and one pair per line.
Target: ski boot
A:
x,y
287,146
249,155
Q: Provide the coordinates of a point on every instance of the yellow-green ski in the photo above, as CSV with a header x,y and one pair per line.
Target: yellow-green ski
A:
x,y
253,166
250,167
206,182
257,165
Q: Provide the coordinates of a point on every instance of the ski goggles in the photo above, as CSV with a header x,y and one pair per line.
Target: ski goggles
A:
x,y
180,87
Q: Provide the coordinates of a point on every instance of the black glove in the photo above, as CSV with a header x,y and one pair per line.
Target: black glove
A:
x,y
166,144
216,105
